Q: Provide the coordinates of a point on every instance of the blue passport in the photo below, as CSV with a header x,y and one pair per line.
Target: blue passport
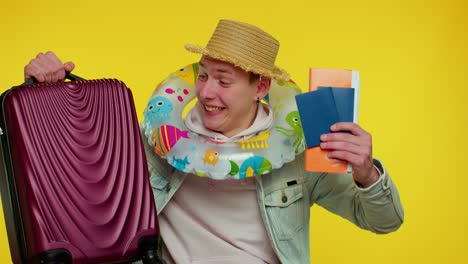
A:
x,y
344,102
322,108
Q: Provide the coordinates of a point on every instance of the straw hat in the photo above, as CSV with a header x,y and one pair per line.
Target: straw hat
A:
x,y
245,46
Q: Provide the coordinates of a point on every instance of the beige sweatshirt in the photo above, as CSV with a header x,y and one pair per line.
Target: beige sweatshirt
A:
x,y
217,221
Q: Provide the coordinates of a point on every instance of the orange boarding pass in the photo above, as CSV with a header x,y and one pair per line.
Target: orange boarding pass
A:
x,y
315,158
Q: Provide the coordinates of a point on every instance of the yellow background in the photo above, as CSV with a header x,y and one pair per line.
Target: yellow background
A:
x,y
411,56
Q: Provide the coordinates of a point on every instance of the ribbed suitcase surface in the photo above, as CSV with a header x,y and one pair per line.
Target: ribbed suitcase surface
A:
x,y
74,154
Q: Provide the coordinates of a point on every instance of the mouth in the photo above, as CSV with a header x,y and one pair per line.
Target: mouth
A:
x,y
212,109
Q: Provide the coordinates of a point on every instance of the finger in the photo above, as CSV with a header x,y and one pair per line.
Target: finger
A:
x,y
53,61
57,73
357,161
343,146
33,70
69,66
59,76
57,70
337,136
348,126
28,71
44,67
48,77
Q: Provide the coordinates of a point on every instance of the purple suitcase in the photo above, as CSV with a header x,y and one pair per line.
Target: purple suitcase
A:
x,y
74,179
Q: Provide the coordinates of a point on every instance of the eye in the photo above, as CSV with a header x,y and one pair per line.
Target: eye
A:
x,y
183,69
216,154
150,107
295,119
224,83
202,77
159,103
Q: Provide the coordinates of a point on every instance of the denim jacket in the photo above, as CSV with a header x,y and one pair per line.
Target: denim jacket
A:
x,y
286,194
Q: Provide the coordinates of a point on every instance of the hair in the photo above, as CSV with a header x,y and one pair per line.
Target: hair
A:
x,y
253,77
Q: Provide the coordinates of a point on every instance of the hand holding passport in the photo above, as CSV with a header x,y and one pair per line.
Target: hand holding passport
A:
x,y
334,97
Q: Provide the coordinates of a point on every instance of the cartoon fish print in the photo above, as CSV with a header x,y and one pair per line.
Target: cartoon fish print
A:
x,y
255,165
178,92
158,109
165,137
211,157
188,73
180,164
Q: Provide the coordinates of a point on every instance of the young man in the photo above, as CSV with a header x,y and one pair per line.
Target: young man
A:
x,y
263,218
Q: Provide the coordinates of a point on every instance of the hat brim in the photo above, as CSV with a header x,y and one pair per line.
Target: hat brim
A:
x,y
276,73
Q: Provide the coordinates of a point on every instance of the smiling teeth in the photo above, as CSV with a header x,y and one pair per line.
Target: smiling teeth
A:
x,y
212,109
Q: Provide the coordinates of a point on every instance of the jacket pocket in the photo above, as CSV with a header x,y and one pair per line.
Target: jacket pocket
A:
x,y
285,211
160,187
158,182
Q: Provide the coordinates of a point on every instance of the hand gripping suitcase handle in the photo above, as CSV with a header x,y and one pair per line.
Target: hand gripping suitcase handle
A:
x,y
68,75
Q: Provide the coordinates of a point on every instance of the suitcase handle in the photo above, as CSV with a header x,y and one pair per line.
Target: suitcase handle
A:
x,y
68,75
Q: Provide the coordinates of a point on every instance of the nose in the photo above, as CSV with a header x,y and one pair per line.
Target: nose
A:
x,y
206,90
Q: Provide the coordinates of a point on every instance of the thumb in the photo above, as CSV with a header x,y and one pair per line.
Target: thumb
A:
x,y
69,66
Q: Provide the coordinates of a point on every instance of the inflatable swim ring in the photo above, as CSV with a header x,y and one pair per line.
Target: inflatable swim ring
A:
x,y
166,132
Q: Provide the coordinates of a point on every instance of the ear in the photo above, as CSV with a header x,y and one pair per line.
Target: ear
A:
x,y
263,87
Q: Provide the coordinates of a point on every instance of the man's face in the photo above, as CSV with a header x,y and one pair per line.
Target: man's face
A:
x,y
226,97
